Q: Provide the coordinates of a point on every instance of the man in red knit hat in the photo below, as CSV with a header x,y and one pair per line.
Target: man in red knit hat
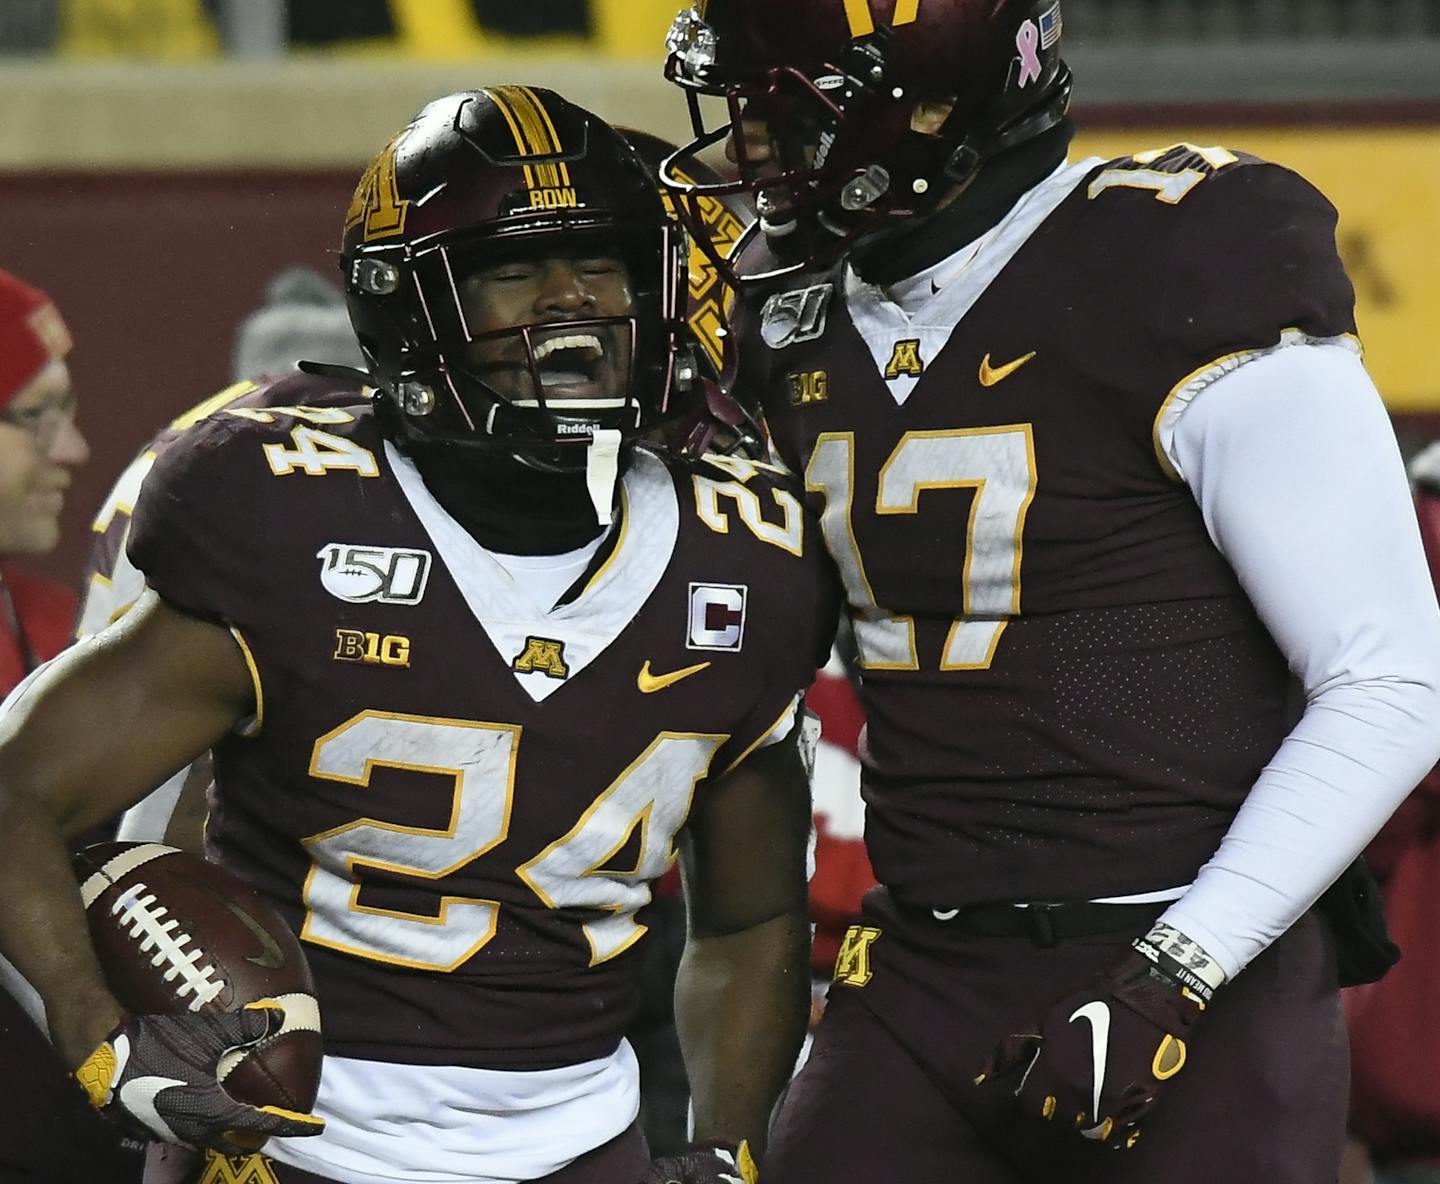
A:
x,y
47,1132
39,444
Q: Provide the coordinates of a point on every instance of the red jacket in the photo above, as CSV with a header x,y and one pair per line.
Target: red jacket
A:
x,y
1395,1040
46,612
842,869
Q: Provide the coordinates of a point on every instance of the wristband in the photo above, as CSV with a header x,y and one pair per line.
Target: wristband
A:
x,y
1178,958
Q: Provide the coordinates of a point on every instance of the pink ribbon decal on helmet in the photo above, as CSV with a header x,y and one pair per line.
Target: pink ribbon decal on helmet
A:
x,y
1027,41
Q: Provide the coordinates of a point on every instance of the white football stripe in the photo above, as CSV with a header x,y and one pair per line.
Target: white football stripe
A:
x,y
118,867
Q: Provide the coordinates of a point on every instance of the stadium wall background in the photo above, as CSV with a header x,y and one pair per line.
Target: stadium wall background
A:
x,y
154,203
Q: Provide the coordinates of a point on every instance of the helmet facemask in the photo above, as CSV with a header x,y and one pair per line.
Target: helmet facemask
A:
x,y
849,156
541,387
811,177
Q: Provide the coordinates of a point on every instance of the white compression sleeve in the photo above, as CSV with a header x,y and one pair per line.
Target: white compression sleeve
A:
x,y
1294,465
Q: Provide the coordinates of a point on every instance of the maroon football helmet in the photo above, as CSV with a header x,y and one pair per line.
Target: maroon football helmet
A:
x,y
485,177
837,82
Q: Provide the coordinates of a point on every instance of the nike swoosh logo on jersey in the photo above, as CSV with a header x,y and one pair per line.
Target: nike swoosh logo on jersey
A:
x,y
1097,1015
650,683
990,375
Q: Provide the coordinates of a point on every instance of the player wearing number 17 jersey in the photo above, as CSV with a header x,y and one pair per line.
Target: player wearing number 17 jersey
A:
x,y
1094,449
473,662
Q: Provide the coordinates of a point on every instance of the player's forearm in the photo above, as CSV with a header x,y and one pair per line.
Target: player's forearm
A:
x,y
43,930
1336,779
1339,578
741,1005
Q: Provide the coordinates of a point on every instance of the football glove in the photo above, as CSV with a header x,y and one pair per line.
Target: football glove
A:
x,y
162,1073
1097,1060
710,1163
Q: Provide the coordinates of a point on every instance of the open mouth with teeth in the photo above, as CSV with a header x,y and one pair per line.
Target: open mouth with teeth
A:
x,y
569,361
585,366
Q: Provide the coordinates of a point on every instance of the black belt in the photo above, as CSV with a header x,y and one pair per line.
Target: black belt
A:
x,y
1044,924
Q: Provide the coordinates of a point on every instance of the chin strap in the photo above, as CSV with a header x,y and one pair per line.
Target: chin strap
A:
x,y
602,470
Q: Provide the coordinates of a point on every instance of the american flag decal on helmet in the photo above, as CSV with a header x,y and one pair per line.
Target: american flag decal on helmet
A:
x,y
1052,24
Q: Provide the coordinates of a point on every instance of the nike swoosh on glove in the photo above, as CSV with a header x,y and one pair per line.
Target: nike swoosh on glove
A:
x,y
162,1072
710,1163
1097,1060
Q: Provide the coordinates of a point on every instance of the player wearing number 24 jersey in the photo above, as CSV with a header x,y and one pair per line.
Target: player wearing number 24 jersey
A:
x,y
474,661
1146,646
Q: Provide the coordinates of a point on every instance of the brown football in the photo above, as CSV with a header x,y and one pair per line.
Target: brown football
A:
x,y
175,933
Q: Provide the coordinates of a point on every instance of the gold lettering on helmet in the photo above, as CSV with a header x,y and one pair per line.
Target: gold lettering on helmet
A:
x,y
554,199
710,300
862,20
542,655
377,199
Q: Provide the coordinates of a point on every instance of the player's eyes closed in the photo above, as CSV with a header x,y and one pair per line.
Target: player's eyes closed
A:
x,y
600,267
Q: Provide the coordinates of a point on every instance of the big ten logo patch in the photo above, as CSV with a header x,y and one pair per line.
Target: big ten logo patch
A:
x,y
905,359
371,649
359,574
542,655
809,387
852,963
237,1169
717,616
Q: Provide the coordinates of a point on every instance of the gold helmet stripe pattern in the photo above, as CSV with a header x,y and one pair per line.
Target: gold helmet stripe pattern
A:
x,y
862,20
534,133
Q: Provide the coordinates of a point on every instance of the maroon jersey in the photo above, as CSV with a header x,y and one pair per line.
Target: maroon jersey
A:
x,y
110,584
1068,693
460,798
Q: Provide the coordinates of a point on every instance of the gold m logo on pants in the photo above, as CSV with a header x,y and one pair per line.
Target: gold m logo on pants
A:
x,y
852,963
239,1169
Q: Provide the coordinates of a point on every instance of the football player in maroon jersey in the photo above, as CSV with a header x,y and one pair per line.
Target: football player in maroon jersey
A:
x,y
472,661
1147,644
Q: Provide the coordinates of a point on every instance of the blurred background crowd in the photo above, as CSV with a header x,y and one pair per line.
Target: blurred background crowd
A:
x,y
163,161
